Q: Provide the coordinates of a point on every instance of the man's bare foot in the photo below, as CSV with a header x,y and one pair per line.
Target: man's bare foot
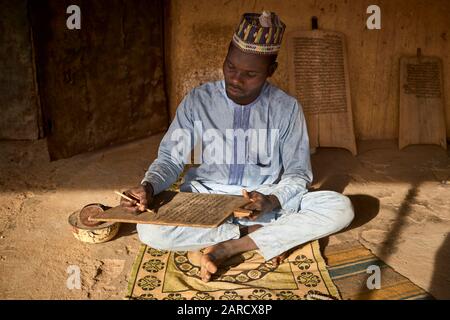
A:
x,y
211,259
276,261
215,255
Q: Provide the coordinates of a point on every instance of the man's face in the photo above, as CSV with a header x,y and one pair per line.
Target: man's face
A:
x,y
245,74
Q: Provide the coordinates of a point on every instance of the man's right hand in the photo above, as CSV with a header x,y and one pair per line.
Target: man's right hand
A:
x,y
143,195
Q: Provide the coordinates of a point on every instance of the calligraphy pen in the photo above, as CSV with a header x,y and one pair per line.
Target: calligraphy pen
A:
x,y
131,199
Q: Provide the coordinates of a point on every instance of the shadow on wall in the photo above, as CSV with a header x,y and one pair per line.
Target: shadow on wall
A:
x,y
440,284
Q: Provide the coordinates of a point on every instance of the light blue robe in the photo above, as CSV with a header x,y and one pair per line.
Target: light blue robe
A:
x,y
274,159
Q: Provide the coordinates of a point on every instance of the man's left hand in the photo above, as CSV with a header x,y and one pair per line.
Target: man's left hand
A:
x,y
260,203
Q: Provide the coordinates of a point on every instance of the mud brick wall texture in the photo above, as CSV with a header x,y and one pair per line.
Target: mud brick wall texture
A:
x,y
112,67
104,83
89,88
20,116
199,31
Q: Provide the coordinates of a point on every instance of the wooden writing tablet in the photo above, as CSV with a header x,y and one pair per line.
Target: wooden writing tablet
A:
x,y
422,118
180,209
318,78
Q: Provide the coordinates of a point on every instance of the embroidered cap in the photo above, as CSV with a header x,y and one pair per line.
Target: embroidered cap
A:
x,y
259,33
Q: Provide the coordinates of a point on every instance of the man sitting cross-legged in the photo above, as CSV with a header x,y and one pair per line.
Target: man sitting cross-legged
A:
x,y
271,168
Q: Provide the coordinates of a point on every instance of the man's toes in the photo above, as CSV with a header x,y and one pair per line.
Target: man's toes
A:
x,y
204,274
210,265
202,270
206,277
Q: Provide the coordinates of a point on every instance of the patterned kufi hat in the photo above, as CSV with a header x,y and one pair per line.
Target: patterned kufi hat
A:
x,y
259,33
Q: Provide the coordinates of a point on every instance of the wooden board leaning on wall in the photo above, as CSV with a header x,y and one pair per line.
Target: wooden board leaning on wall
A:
x,y
422,117
318,78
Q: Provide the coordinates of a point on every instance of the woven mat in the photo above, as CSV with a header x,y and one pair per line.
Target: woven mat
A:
x,y
174,275
348,264
169,275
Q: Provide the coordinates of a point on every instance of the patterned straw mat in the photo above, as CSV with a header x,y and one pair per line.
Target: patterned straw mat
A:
x,y
168,275
175,275
347,266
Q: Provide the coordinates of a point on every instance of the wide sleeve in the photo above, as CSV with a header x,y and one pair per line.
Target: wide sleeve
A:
x,y
295,158
174,150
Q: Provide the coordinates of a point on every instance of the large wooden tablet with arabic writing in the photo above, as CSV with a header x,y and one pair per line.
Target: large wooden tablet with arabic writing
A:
x,y
318,78
422,117
180,209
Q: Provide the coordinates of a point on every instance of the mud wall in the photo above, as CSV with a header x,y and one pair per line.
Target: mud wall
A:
x,y
198,33
104,83
20,118
86,88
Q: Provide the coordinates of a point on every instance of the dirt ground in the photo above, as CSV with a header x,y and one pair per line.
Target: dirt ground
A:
x,y
401,199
